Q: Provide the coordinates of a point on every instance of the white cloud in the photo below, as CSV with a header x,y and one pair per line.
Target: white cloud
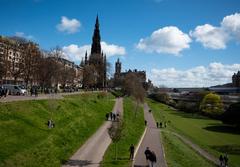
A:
x,y
231,24
76,53
69,26
23,35
210,36
111,49
217,37
169,40
200,76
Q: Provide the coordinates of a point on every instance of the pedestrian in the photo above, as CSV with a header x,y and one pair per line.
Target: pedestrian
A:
x,y
36,92
131,150
160,124
221,160
107,116
145,122
153,158
225,160
111,116
114,117
31,91
157,124
147,153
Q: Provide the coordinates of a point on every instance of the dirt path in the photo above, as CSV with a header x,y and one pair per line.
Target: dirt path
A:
x,y
92,152
195,147
152,140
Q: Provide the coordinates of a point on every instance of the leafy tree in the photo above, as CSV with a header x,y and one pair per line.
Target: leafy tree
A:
x,y
232,115
212,105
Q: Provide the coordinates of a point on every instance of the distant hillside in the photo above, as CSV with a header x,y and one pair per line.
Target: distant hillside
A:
x,y
224,85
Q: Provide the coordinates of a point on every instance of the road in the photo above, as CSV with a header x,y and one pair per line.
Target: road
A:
x,y
152,140
91,153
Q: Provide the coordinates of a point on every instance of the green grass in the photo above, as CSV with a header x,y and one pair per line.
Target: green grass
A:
x,y
179,154
209,134
133,129
27,141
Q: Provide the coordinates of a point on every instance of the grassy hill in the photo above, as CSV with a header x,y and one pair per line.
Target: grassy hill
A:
x,y
26,139
209,134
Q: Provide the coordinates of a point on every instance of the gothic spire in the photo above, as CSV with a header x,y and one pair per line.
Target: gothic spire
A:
x,y
96,39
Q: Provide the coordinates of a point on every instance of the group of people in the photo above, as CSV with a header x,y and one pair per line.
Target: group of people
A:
x,y
112,116
34,91
223,160
161,124
50,124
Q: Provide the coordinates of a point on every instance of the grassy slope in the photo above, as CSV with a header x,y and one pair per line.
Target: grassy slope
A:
x,y
210,134
26,139
134,128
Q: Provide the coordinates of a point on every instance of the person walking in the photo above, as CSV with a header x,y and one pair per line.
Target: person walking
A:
x,y
147,153
153,158
221,160
225,160
157,124
145,122
131,150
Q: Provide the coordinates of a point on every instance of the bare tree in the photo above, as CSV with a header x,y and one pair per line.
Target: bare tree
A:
x,y
116,133
134,87
89,76
31,55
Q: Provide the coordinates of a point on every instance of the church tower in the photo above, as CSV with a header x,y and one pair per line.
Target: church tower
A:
x,y
96,39
96,60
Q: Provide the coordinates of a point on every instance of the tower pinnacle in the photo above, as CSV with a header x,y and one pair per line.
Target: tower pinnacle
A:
x,y
96,39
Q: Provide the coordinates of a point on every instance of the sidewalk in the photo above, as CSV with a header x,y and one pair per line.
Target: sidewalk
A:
x,y
92,152
152,140
11,98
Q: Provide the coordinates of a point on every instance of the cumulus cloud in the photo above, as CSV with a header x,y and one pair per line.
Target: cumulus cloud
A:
x,y
76,53
69,26
168,40
214,74
231,24
217,37
210,36
23,35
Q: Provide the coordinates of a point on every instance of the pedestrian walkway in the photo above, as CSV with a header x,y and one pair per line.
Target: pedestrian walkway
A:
x,y
152,140
92,152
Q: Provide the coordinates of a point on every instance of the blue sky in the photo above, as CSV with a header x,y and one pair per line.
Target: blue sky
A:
x,y
184,43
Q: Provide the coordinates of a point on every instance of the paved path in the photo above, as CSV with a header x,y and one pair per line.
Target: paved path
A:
x,y
92,152
152,140
11,98
195,147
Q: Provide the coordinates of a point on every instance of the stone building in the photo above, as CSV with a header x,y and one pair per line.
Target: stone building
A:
x,y
97,60
120,76
236,79
11,57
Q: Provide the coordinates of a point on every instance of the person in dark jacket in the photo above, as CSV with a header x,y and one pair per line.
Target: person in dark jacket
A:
x,y
131,150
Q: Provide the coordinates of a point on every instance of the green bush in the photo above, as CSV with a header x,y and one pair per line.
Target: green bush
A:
x,y
212,105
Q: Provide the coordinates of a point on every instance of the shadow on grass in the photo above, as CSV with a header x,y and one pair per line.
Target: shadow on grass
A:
x,y
78,163
222,128
229,149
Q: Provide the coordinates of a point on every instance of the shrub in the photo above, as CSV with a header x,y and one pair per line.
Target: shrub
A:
x,y
232,115
212,105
